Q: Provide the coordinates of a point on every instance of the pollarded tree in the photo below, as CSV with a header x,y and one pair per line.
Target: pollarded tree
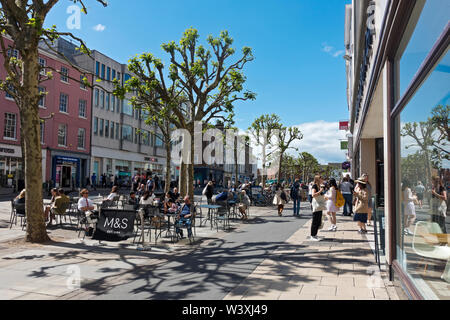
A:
x,y
23,22
286,137
262,132
210,84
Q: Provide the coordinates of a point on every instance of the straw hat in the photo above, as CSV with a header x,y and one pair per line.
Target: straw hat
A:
x,y
361,180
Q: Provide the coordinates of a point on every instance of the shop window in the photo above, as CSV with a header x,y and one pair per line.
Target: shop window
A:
x,y
422,184
427,23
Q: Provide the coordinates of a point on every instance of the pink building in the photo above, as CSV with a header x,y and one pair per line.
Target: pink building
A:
x,y
65,137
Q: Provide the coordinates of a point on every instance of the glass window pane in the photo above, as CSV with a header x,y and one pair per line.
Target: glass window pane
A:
x,y
426,25
423,168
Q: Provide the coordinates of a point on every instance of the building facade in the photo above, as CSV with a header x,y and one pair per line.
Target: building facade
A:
x,y
65,136
398,76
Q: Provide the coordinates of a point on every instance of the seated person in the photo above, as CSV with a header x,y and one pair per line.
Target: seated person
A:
x,y
244,203
223,196
172,206
54,192
60,201
133,200
86,206
148,198
113,193
184,218
20,199
175,195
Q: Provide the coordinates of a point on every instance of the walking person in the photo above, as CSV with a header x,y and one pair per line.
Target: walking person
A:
x,y
346,190
279,199
362,204
318,203
296,197
409,207
369,191
439,203
420,190
310,198
331,204
94,181
209,192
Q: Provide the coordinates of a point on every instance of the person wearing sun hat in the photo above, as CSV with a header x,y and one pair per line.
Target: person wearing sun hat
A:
x,y
362,204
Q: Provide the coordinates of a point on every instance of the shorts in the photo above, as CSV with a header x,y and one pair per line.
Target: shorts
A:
x,y
420,196
361,217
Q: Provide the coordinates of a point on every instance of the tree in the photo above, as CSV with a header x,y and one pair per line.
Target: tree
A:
x,y
309,164
23,22
286,137
210,86
262,131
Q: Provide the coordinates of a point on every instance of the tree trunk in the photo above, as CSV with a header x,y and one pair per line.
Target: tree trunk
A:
x,y
190,167
280,167
183,179
32,152
168,168
236,171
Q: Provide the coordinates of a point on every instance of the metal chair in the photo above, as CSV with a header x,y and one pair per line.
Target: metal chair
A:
x,y
61,211
15,208
182,225
222,215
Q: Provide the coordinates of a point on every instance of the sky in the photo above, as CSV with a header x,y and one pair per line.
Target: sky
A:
x,y
298,71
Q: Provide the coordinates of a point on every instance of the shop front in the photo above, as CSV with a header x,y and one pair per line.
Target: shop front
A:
x,y
66,172
11,167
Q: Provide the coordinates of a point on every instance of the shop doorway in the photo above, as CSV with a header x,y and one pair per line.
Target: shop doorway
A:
x,y
65,177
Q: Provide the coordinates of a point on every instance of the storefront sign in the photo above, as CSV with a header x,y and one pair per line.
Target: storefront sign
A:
x,y
8,151
343,125
66,160
115,225
344,145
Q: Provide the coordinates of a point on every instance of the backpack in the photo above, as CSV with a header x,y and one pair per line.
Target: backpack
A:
x,y
340,201
295,191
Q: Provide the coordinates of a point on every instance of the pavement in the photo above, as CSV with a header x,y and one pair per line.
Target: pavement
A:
x,y
267,257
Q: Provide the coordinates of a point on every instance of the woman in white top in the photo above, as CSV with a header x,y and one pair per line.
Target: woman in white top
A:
x,y
278,199
331,204
147,198
409,207
113,194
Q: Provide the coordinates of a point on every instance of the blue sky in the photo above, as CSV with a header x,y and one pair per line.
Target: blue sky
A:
x,y
298,73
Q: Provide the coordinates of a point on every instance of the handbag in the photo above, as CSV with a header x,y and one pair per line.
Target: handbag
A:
x,y
204,190
443,209
319,204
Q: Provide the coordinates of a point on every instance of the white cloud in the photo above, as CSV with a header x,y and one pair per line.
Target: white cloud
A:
x,y
321,139
99,28
338,53
326,48
331,50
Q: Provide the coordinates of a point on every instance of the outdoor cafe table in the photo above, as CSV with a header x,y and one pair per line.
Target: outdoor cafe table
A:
x,y
212,209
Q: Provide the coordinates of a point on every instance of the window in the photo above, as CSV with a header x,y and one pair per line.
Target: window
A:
x,y
82,109
106,128
136,135
43,64
101,127
13,53
62,135
95,125
422,165
63,102
107,101
158,142
113,74
127,133
81,138
42,98
145,137
127,108
118,105
117,131
428,21
9,132
11,88
64,74
102,99
112,130
82,84
96,97
103,71
42,131
97,68
108,74
126,77
118,77
113,103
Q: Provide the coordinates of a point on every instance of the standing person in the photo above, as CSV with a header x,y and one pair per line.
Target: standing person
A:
x,y
209,192
331,204
94,181
369,191
318,190
279,199
150,184
362,204
409,207
346,190
439,203
296,196
420,190
244,203
111,180
310,192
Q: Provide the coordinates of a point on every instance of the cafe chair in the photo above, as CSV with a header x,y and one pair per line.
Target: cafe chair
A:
x,y
15,208
61,211
426,250
182,225
222,215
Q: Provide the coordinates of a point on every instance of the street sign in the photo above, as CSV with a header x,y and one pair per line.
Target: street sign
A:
x,y
343,125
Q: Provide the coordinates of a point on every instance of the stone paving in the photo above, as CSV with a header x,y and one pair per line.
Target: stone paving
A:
x,y
340,267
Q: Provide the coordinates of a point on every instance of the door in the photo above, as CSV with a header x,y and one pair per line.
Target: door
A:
x,y
66,176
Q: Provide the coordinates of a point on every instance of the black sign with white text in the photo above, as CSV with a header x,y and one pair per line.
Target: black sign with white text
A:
x,y
114,225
